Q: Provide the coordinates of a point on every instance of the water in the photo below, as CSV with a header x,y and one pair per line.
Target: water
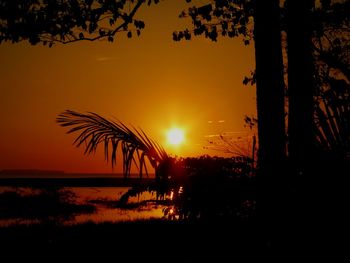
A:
x,y
108,214
101,198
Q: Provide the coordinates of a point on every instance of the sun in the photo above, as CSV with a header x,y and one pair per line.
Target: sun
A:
x,y
175,136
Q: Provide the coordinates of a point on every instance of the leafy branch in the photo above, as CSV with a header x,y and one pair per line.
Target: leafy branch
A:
x,y
94,130
68,21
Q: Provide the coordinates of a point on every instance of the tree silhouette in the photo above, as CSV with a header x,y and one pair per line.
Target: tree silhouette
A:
x,y
67,21
289,191
332,62
235,19
270,109
203,187
317,31
300,84
259,20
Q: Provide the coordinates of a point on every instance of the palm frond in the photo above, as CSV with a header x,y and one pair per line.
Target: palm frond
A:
x,y
94,130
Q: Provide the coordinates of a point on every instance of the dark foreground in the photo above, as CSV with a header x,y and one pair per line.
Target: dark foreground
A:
x,y
161,241
148,241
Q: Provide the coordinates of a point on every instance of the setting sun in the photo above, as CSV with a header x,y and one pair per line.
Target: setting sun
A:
x,y
175,136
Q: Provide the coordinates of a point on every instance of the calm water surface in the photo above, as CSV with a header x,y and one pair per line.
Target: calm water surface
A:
x,y
104,212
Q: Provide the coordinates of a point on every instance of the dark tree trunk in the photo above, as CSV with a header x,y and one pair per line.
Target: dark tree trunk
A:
x,y
270,108
302,196
300,84
270,84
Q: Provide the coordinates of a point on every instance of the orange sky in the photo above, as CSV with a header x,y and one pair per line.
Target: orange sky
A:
x,y
150,82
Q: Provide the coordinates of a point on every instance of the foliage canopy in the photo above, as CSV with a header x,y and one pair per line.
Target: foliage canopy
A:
x,y
66,21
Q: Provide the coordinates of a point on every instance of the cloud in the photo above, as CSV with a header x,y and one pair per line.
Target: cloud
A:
x,y
101,58
219,121
211,135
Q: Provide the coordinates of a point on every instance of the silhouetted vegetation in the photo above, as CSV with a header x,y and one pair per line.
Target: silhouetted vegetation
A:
x,y
300,171
307,184
50,22
208,187
327,46
96,130
204,187
45,205
332,66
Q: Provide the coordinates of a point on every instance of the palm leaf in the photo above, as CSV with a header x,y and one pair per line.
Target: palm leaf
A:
x,y
94,130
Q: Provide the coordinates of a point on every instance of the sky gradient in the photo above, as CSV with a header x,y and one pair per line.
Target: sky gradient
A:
x,y
149,81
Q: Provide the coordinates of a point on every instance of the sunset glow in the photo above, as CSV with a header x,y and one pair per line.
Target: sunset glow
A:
x,y
150,82
175,136
212,128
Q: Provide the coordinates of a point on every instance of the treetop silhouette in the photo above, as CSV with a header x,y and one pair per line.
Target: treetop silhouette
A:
x,y
68,21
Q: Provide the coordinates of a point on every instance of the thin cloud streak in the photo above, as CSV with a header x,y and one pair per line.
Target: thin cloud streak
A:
x,y
101,59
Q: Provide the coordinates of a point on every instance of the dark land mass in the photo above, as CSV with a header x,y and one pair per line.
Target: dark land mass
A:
x,y
144,241
30,172
160,241
47,178
75,182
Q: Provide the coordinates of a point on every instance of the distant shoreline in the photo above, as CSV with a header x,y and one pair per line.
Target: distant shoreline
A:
x,y
36,173
30,172
74,182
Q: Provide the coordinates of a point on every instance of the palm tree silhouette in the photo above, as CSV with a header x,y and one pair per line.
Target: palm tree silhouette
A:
x,y
200,186
135,145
